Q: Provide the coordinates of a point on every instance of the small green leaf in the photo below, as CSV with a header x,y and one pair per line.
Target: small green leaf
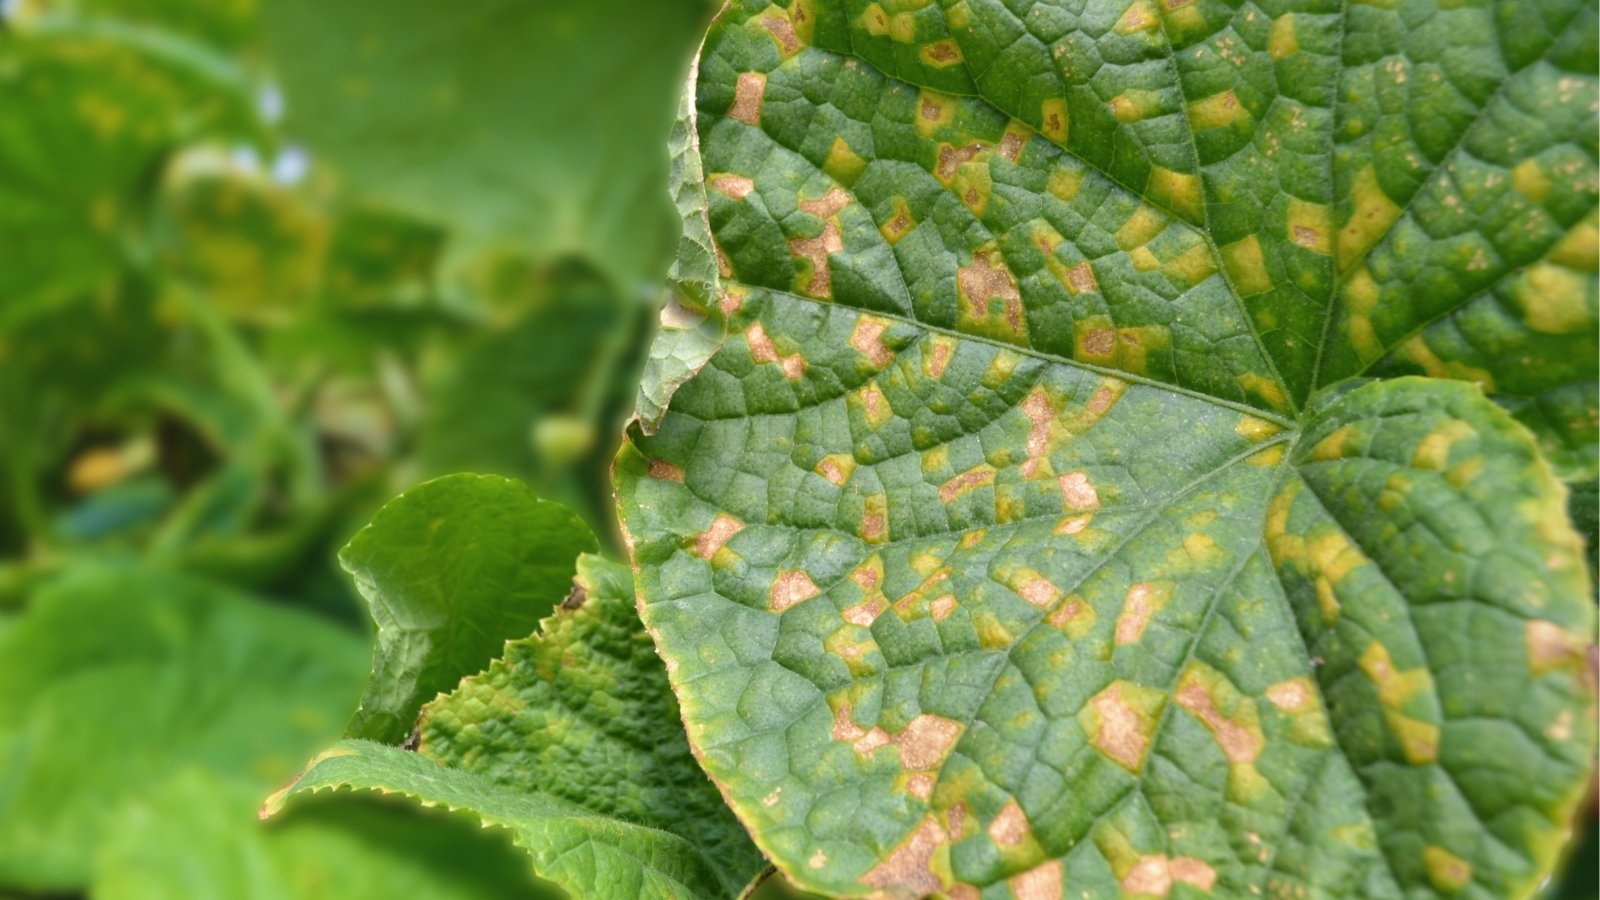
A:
x,y
573,743
196,835
452,569
1060,514
114,678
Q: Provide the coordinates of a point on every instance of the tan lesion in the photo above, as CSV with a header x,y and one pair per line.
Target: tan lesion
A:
x,y
867,337
763,350
748,91
789,588
987,281
722,528
735,187
1155,875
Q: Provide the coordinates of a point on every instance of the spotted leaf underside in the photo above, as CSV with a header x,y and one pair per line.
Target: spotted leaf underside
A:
x,y
1121,471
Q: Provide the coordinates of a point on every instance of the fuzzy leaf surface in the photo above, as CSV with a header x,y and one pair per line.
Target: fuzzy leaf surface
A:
x,y
1063,512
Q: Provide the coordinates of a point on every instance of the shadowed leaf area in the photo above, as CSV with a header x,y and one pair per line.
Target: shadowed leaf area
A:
x,y
1095,449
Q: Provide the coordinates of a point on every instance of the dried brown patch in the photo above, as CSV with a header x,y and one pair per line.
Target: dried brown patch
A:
x,y
817,860
1306,237
988,279
828,204
952,158
782,30
1042,882
1077,493
1100,341
1237,743
866,578
788,589
966,481
1119,736
711,540
1010,826
1289,696
1065,613
939,358
1136,612
1081,278
661,470
815,250
1036,406
1011,144
1155,874
867,337
737,187
747,94
941,607
925,740
762,350
1073,524
865,613
873,527
908,867
1101,401
1039,592
920,786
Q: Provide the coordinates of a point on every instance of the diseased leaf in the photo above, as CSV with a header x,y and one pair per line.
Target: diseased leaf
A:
x,y
452,569
1040,527
115,678
573,743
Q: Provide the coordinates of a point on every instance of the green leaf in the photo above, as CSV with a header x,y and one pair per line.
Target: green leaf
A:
x,y
1056,517
196,835
573,743
114,678
452,569
428,106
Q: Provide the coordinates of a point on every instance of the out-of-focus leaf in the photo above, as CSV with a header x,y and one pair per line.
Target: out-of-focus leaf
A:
x,y
196,836
115,678
452,569
1583,504
1037,529
428,106
573,743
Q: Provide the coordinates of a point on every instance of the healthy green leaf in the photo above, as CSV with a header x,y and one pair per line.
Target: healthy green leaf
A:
x,y
428,105
114,678
573,743
1039,527
197,836
452,569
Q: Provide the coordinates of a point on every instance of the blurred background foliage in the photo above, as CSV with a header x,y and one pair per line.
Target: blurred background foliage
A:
x,y
263,266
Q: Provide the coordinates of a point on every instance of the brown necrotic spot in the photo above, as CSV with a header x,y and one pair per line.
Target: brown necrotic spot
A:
x,y
941,607
1238,744
1120,734
1039,592
828,204
662,470
1040,412
986,280
788,589
815,251
1137,608
1155,875
1042,882
907,869
1077,493
920,785
762,350
1100,342
1011,143
777,24
1010,825
979,476
938,357
941,53
925,740
1080,278
711,540
867,337
1073,524
747,93
866,612
735,186
951,158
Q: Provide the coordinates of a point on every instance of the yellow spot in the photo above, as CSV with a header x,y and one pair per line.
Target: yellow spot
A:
x,y
1179,191
1332,446
1145,223
1360,295
1555,299
1246,266
1183,16
1372,212
843,164
1193,265
1580,249
1255,430
1064,183
1134,104
1416,349
1433,452
903,27
1053,120
1139,606
1310,225
1120,720
1530,181
940,54
1447,872
1217,111
874,20
1263,387
1281,41
788,589
1419,740
747,94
